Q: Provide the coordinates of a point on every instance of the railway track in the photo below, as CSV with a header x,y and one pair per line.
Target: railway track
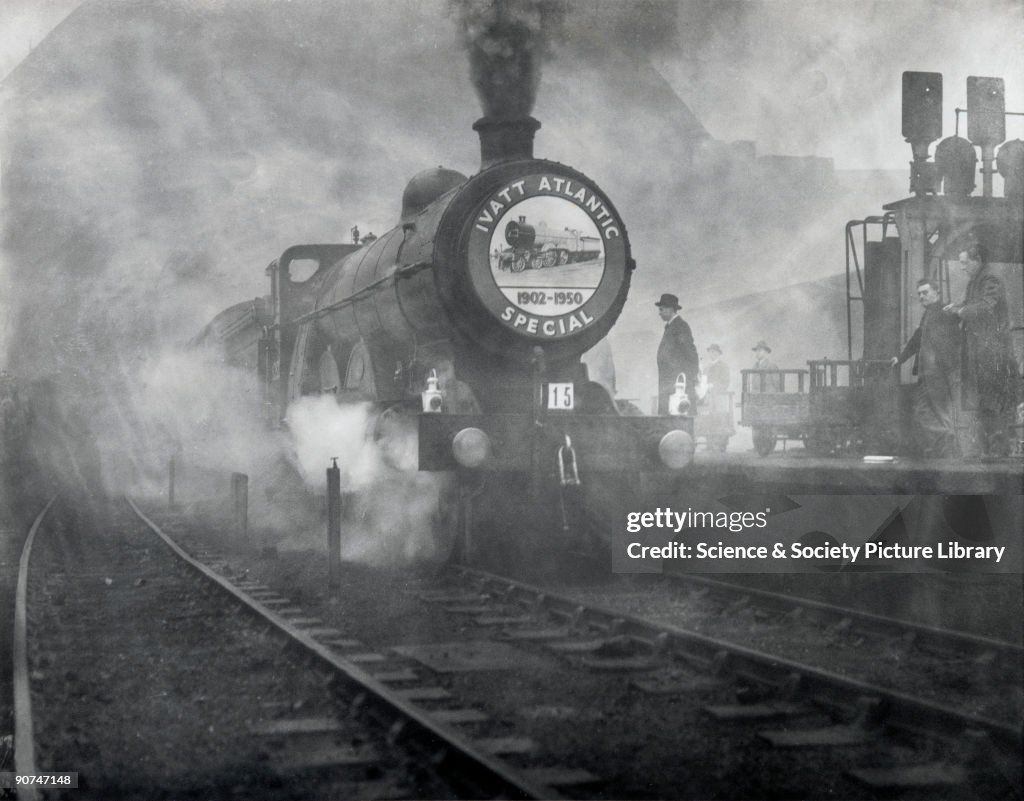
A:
x,y
981,676
997,656
144,671
601,703
660,637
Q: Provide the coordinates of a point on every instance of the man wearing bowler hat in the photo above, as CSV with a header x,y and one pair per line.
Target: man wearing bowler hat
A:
x,y
762,361
676,354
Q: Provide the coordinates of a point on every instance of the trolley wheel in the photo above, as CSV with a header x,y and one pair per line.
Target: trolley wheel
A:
x,y
519,264
764,440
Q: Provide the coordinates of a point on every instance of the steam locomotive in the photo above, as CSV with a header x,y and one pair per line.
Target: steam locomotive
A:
x,y
428,327
530,248
863,405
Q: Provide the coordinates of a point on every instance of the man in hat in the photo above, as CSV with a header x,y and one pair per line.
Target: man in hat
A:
x,y
717,401
762,361
676,354
988,369
717,372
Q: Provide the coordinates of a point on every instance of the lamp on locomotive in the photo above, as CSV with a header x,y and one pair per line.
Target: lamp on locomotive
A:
x,y
433,398
679,402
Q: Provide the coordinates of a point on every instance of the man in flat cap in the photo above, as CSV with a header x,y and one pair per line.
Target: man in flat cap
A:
x,y
676,354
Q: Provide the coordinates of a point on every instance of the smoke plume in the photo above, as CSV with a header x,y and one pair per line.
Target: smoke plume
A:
x,y
507,42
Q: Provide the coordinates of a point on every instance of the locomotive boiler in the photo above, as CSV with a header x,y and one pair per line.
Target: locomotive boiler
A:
x,y
483,360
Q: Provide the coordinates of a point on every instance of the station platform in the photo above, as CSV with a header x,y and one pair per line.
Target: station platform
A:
x,y
797,471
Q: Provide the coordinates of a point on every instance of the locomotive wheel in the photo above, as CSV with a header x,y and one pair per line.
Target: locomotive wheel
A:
x,y
519,264
563,257
549,259
764,441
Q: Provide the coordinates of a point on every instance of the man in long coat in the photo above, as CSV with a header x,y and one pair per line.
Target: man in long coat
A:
x,y
676,354
989,372
717,371
935,346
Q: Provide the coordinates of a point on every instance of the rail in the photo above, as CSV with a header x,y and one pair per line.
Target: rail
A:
x,y
489,776
24,743
904,712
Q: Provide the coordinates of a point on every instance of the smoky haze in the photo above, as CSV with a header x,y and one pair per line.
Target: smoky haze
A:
x,y
156,156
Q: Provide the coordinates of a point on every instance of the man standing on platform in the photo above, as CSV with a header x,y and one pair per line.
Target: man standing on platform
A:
x,y
766,381
935,346
717,371
989,371
676,354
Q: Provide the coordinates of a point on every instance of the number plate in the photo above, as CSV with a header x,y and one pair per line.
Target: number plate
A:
x,y
561,397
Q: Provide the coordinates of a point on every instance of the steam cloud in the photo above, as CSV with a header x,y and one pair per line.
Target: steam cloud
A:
x,y
395,515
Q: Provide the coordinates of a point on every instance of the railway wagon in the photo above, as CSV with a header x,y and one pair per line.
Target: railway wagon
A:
x,y
426,326
864,404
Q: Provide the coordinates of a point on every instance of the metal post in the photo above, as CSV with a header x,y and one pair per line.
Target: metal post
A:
x,y
240,505
170,482
539,369
988,157
333,525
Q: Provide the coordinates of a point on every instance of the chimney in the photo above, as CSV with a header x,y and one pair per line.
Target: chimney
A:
x,y
505,140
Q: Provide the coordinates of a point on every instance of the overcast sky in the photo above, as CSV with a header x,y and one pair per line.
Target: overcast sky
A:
x,y
24,23
799,77
822,77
